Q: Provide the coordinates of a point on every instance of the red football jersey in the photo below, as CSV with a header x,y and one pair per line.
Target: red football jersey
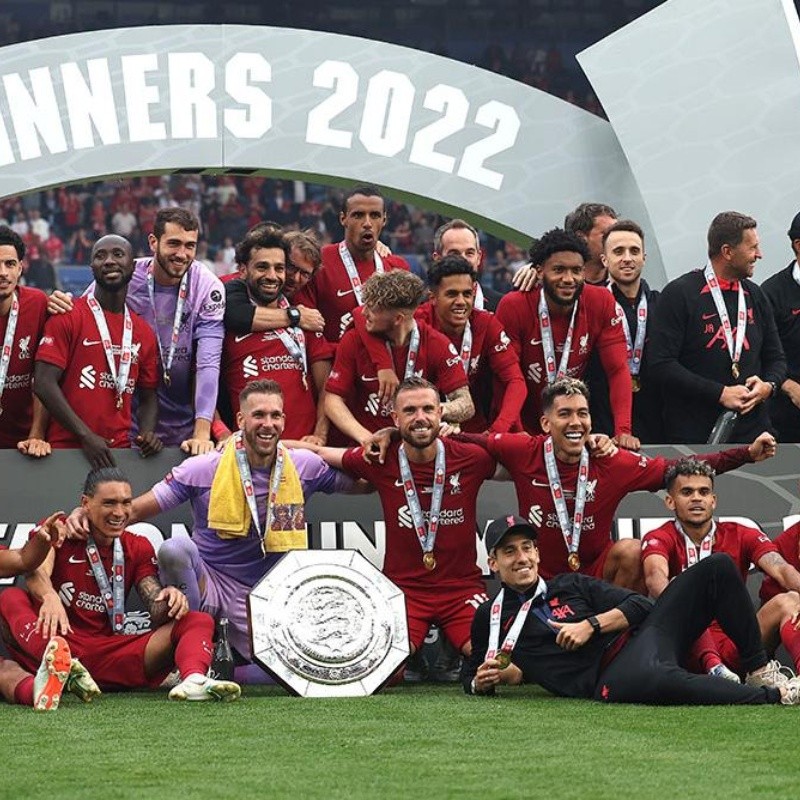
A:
x,y
17,397
467,467
355,378
788,545
610,479
331,292
254,356
597,327
495,379
75,583
72,342
745,545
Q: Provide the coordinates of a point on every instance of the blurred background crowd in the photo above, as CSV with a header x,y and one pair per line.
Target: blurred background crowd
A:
x,y
59,226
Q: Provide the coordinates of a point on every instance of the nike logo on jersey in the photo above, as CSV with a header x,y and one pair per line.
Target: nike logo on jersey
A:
x,y
795,311
343,292
73,560
89,342
534,342
539,483
709,316
367,378
240,338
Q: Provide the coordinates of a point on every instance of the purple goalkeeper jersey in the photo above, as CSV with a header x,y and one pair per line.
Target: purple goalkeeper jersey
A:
x,y
198,351
240,558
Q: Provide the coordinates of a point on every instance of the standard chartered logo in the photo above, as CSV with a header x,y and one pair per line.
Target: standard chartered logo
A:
x,y
88,379
447,516
67,592
535,372
373,405
404,517
250,367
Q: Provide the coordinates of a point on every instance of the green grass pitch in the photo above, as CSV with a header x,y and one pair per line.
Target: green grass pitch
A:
x,y
408,742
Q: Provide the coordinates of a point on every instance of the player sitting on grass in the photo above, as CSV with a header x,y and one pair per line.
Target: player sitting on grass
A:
x,y
692,536
76,602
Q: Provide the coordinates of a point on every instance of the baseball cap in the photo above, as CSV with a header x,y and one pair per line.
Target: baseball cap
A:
x,y
794,228
505,525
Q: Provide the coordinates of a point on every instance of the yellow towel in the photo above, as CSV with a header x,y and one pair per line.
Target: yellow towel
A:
x,y
229,513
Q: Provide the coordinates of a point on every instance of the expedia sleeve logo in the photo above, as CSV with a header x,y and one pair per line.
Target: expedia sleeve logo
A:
x,y
216,302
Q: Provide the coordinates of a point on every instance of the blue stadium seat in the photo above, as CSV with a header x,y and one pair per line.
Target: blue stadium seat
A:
x,y
416,263
73,279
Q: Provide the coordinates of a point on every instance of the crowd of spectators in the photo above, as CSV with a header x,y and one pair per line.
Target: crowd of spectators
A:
x,y
59,226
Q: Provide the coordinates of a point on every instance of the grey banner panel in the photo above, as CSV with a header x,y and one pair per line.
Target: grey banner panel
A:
x,y
307,104
705,100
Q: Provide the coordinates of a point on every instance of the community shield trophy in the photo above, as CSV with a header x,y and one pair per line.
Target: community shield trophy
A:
x,y
326,623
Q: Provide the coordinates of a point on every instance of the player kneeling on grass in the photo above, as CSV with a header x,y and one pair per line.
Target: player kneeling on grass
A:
x,y
572,634
76,603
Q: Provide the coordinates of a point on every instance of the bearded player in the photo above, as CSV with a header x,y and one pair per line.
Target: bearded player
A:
x,y
79,593
428,488
556,327
91,362
183,303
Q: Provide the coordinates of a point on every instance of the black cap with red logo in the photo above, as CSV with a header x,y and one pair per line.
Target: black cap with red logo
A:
x,y
502,526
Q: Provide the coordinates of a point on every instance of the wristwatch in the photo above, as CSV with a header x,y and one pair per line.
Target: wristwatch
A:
x,y
595,623
294,316
774,388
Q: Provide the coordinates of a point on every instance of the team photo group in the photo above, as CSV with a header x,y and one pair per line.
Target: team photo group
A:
x,y
338,369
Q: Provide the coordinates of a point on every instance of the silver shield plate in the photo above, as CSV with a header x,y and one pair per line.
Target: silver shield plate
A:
x,y
326,623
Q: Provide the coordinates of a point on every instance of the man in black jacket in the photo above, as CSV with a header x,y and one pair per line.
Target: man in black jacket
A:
x,y
624,257
581,637
714,343
783,292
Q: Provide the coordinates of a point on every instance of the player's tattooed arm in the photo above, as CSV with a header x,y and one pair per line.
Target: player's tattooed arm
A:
x,y
149,588
458,406
774,565
165,603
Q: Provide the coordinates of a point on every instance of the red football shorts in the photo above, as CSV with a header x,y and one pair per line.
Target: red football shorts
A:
x,y
452,609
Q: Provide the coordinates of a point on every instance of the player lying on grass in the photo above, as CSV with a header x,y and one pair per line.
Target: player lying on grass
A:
x,y
76,603
572,634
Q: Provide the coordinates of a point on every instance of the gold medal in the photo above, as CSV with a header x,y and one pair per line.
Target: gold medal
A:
x,y
305,382
502,658
119,401
574,562
636,384
735,370
429,560
167,380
